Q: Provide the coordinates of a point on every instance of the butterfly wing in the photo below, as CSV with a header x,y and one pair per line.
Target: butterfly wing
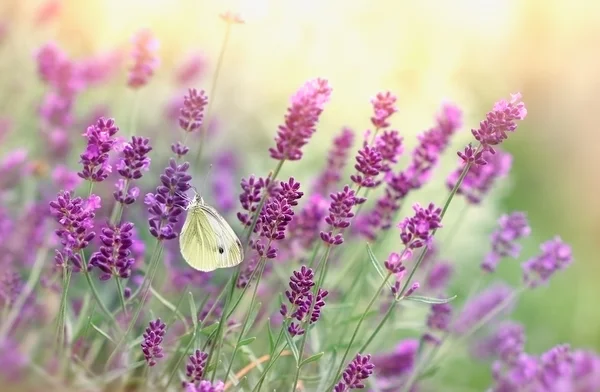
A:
x,y
207,241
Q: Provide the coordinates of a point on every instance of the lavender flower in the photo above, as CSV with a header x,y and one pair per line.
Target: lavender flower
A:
x,y
114,257
438,319
191,69
192,113
390,367
252,189
480,178
302,300
65,178
555,256
480,306
166,205
304,228
521,373
438,276
205,386
502,119
11,285
134,158
340,213
507,343
13,168
417,231
144,59
389,145
100,142
512,228
301,120
358,370
76,218
194,370
384,105
223,181
368,165
153,337
179,149
336,160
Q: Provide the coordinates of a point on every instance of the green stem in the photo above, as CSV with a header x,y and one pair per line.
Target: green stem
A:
x,y
88,278
357,328
62,310
121,294
388,314
261,266
271,359
212,90
145,289
183,354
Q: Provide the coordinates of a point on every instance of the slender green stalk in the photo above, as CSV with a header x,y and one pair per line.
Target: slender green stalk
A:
x,y
121,294
145,287
88,278
117,211
271,358
261,267
357,328
182,355
134,113
62,310
387,315
212,90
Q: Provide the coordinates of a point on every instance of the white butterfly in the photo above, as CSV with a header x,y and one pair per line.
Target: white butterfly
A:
x,y
207,242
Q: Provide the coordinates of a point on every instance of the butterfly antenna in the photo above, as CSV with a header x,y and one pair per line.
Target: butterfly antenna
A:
x,y
208,172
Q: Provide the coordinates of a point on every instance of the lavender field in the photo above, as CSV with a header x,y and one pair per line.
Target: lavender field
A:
x,y
406,211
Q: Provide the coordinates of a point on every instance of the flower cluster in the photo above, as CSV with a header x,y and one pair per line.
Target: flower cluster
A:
x,y
368,165
340,214
439,319
512,228
145,61
194,370
484,304
76,219
100,141
384,105
336,160
502,119
114,257
191,114
252,190
301,120
555,256
133,160
166,205
357,371
417,231
205,386
153,337
302,301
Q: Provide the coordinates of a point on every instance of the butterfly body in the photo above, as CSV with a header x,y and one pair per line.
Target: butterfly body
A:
x,y
207,242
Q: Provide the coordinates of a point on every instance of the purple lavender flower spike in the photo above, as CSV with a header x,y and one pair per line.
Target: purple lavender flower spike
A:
x,y
76,219
179,149
368,165
480,306
153,337
480,179
301,119
391,366
191,114
250,197
205,386
145,60
336,160
389,145
555,256
101,141
223,181
300,297
194,370
134,158
417,231
305,227
438,321
507,343
340,213
438,276
384,105
166,205
502,119
114,257
358,370
512,228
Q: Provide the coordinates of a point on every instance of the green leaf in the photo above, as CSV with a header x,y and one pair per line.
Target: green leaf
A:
x,y
271,338
117,373
312,358
246,341
377,265
253,315
101,332
357,317
193,310
292,345
207,331
429,300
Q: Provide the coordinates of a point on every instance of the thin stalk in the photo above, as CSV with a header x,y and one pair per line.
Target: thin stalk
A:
x,y
357,328
316,249
388,314
183,354
261,266
117,211
134,113
271,359
62,310
88,278
212,90
121,295
145,290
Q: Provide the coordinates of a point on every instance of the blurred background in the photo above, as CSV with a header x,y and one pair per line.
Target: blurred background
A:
x,y
469,52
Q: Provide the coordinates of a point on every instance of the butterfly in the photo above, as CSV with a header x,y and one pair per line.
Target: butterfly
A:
x,y
207,242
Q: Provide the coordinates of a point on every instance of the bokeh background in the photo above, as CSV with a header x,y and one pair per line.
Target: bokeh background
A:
x,y
469,52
